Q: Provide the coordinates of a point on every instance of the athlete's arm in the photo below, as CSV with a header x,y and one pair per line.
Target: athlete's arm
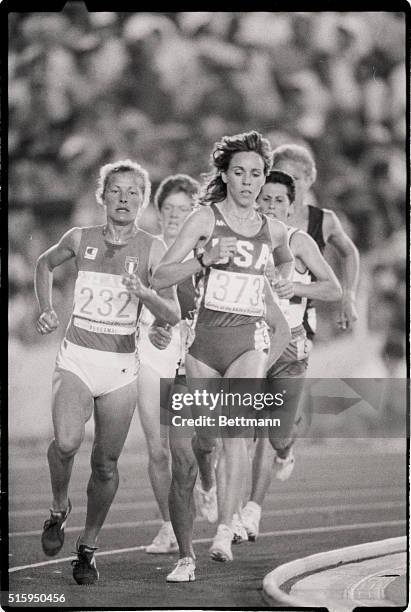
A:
x,y
198,226
65,249
326,287
280,335
283,257
163,304
160,337
334,234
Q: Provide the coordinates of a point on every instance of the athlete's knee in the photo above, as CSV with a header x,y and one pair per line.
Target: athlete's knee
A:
x,y
184,468
66,446
104,469
158,455
203,444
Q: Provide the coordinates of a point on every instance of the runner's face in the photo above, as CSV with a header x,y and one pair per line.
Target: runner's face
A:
x,y
174,210
274,201
244,178
123,197
299,173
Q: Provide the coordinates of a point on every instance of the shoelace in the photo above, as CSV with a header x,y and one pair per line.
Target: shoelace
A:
x,y
83,556
184,561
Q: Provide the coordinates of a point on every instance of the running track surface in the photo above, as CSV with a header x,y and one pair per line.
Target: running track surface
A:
x,y
336,497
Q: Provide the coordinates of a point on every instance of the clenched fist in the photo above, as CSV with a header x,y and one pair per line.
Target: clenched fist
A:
x,y
47,322
221,252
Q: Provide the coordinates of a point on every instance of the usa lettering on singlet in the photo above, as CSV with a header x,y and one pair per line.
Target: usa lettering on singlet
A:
x,y
231,291
105,314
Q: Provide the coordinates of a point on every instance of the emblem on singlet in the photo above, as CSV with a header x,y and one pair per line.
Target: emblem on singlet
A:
x,y
90,252
131,264
220,222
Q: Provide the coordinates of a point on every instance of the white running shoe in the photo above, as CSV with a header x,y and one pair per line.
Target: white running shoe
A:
x,y
206,502
240,533
183,571
250,518
220,549
164,542
284,467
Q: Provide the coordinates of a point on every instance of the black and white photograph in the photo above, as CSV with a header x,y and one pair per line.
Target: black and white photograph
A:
x,y
208,309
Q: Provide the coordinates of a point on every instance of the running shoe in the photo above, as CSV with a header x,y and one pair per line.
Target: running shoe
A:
x,y
240,533
206,502
220,549
164,542
284,465
183,571
84,567
250,518
52,538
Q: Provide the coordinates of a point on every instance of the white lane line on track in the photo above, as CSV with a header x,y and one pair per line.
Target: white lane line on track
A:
x,y
267,534
282,512
363,492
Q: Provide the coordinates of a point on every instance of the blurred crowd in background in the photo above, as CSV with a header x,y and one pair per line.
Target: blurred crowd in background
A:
x,y
161,88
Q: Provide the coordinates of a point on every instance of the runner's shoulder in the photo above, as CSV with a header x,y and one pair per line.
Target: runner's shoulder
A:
x,y
277,229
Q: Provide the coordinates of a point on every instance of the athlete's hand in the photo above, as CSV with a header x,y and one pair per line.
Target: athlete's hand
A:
x,y
225,248
47,322
348,313
284,288
134,285
160,337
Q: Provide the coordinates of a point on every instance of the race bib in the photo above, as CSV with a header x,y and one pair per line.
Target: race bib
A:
x,y
103,305
235,292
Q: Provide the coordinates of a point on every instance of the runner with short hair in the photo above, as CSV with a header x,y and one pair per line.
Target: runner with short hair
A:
x,y
161,355
97,364
282,196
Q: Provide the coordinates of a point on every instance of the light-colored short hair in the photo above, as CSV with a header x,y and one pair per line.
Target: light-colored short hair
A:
x,y
124,165
296,153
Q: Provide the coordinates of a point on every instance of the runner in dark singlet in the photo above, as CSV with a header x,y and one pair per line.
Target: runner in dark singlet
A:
x,y
235,259
324,226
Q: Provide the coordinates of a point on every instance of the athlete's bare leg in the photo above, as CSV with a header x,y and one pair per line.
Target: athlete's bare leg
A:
x,y
113,414
251,364
203,446
180,499
72,406
185,466
262,469
157,445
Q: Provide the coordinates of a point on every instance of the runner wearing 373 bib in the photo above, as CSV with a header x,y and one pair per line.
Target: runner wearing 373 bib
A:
x,y
231,295
234,300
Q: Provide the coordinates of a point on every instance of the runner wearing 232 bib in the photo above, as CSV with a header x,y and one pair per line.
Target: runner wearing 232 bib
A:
x,y
96,366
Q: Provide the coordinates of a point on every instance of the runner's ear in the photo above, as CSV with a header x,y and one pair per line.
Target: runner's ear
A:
x,y
224,177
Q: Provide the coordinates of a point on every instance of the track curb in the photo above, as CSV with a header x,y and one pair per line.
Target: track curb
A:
x,y
272,582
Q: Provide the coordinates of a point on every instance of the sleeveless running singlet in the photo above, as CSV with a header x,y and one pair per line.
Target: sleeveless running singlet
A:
x,y
294,312
231,291
315,230
105,314
315,225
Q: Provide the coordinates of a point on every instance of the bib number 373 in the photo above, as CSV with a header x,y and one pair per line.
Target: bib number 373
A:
x,y
235,292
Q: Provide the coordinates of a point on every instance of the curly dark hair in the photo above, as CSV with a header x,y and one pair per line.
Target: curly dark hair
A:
x,y
215,190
